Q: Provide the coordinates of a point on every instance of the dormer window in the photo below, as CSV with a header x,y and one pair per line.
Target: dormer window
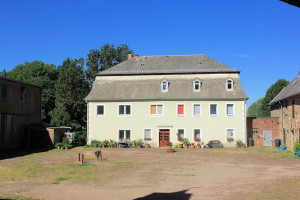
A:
x,y
164,86
197,86
229,85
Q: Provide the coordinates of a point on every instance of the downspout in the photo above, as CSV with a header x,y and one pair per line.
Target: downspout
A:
x,y
245,122
281,121
87,122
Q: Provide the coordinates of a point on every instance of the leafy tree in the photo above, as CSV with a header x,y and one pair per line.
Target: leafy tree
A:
x,y
44,75
3,73
106,57
70,89
254,109
271,93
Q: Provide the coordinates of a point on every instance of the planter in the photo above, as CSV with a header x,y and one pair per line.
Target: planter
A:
x,y
66,148
180,146
186,147
282,148
170,150
138,146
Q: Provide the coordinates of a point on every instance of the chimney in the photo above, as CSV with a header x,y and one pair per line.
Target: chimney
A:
x,y
129,56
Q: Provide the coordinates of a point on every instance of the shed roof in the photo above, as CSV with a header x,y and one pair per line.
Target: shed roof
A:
x,y
179,64
290,90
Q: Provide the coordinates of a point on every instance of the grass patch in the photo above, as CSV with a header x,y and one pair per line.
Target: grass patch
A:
x,y
119,164
15,198
58,180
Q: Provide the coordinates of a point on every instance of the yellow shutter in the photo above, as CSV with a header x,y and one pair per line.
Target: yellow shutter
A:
x,y
153,110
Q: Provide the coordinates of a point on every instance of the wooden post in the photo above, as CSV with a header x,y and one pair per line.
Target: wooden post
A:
x,y
82,160
78,157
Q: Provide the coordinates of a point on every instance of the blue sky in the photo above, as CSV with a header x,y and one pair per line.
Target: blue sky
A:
x,y
259,38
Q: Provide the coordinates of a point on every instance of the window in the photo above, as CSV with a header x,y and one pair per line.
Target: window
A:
x,y
4,90
180,109
124,109
164,86
213,109
230,135
229,84
180,133
229,109
196,109
196,86
124,134
156,110
100,110
23,93
147,134
293,108
197,133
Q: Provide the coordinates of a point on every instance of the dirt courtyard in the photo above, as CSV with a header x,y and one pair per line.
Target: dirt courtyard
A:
x,y
130,173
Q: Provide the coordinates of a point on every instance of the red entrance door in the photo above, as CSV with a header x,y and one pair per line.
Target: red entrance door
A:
x,y
164,138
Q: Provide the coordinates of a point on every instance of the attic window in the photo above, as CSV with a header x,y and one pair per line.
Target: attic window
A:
x,y
164,86
229,85
197,86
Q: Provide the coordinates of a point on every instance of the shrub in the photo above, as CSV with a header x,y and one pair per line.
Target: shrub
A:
x,y
240,143
297,146
186,141
139,142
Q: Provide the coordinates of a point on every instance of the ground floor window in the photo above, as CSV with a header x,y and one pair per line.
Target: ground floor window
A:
x,y
124,134
230,135
180,134
197,133
147,134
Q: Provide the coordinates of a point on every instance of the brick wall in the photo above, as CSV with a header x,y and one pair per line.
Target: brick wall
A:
x,y
266,123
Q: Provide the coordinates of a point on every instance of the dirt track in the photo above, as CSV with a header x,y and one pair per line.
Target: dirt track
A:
x,y
153,173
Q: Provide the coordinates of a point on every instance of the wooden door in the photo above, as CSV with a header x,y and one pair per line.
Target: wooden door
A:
x,y
268,138
164,138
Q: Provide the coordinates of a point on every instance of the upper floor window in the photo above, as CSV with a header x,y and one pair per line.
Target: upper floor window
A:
x,y
124,109
180,109
213,109
164,86
156,110
229,84
229,109
100,109
23,93
196,109
197,86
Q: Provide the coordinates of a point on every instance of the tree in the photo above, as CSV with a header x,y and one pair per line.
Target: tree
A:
x,y
70,90
271,93
41,74
105,58
3,73
254,109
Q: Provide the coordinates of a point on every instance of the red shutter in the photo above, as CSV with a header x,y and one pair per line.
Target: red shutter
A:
x,y
180,109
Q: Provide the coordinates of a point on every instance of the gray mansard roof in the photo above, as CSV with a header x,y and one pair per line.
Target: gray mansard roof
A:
x,y
130,80
290,90
185,64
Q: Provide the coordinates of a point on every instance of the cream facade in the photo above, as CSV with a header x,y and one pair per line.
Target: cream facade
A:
x,y
206,102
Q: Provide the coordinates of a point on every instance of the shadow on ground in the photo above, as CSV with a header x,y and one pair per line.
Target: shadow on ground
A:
x,y
181,195
20,152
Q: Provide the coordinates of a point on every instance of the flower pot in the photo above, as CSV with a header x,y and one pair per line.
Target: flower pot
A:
x,y
170,151
66,148
138,146
186,147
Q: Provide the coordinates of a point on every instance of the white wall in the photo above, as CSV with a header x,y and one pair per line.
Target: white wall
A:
x,y
213,127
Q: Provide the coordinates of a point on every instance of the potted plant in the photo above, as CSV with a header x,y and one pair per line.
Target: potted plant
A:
x,y
192,145
202,144
170,144
58,145
282,147
147,145
186,142
197,139
139,143
66,143
240,144
180,139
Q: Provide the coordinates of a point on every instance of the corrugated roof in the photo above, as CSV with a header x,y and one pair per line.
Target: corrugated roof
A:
x,y
290,90
180,64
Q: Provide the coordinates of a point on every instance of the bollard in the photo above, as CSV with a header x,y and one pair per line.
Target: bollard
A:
x,y
78,157
101,156
82,160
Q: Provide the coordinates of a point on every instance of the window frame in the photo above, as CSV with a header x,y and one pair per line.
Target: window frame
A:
x,y
100,115
124,115
197,115
213,115
233,134
183,132
233,109
124,129
227,83
200,133
180,104
150,111
162,86
147,139
194,85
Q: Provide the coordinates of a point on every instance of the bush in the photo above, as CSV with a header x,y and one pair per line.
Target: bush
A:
x,y
95,143
297,146
139,142
186,141
240,143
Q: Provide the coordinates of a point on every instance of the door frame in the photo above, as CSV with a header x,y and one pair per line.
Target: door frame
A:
x,y
159,135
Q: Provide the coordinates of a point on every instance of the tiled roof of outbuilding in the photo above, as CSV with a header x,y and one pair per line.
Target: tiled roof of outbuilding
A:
x,y
290,90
